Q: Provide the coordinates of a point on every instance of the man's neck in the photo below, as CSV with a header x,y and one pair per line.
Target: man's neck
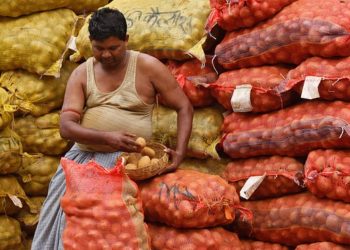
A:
x,y
119,66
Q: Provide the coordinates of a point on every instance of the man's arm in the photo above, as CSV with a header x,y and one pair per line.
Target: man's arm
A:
x,y
71,114
173,97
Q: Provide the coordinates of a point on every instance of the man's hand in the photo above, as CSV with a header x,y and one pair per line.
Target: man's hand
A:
x,y
122,141
175,158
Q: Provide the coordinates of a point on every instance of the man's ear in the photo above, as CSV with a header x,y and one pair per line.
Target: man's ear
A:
x,y
127,38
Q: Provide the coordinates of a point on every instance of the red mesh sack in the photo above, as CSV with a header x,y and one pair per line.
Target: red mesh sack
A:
x,y
193,79
189,199
297,219
302,29
259,245
235,14
284,175
252,89
335,77
167,238
322,246
102,207
294,131
327,174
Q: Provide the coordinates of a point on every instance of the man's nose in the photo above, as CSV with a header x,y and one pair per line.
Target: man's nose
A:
x,y
106,53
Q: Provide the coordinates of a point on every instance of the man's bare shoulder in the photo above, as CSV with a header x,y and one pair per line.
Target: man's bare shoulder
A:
x,y
80,71
79,74
148,62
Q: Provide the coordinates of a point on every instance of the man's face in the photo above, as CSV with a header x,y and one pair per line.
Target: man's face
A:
x,y
109,52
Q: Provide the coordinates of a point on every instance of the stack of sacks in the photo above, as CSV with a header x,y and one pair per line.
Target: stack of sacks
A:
x,y
253,77
300,30
313,40
193,207
35,40
176,31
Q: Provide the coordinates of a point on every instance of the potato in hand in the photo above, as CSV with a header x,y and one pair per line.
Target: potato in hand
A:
x,y
141,141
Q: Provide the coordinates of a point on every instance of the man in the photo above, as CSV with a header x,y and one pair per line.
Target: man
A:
x,y
108,104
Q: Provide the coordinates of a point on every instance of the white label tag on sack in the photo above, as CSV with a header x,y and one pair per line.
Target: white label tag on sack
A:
x,y
16,200
72,43
240,100
251,185
310,88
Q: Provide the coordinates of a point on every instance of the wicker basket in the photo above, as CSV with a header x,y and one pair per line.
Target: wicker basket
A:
x,y
151,170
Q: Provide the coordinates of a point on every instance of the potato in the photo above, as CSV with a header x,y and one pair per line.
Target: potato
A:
x,y
154,161
340,191
148,151
144,161
133,159
141,141
131,166
333,223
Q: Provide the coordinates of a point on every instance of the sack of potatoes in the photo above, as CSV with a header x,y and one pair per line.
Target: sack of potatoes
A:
x,y
148,162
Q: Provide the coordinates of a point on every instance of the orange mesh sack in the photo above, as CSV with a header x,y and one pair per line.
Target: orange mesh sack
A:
x,y
297,219
294,131
167,238
327,174
332,79
235,14
192,78
252,89
189,199
283,175
102,208
259,245
302,29
321,246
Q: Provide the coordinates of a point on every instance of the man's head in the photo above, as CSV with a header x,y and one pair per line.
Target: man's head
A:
x,y
105,23
108,36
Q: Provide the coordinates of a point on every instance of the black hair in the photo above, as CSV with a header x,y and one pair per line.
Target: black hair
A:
x,y
105,23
